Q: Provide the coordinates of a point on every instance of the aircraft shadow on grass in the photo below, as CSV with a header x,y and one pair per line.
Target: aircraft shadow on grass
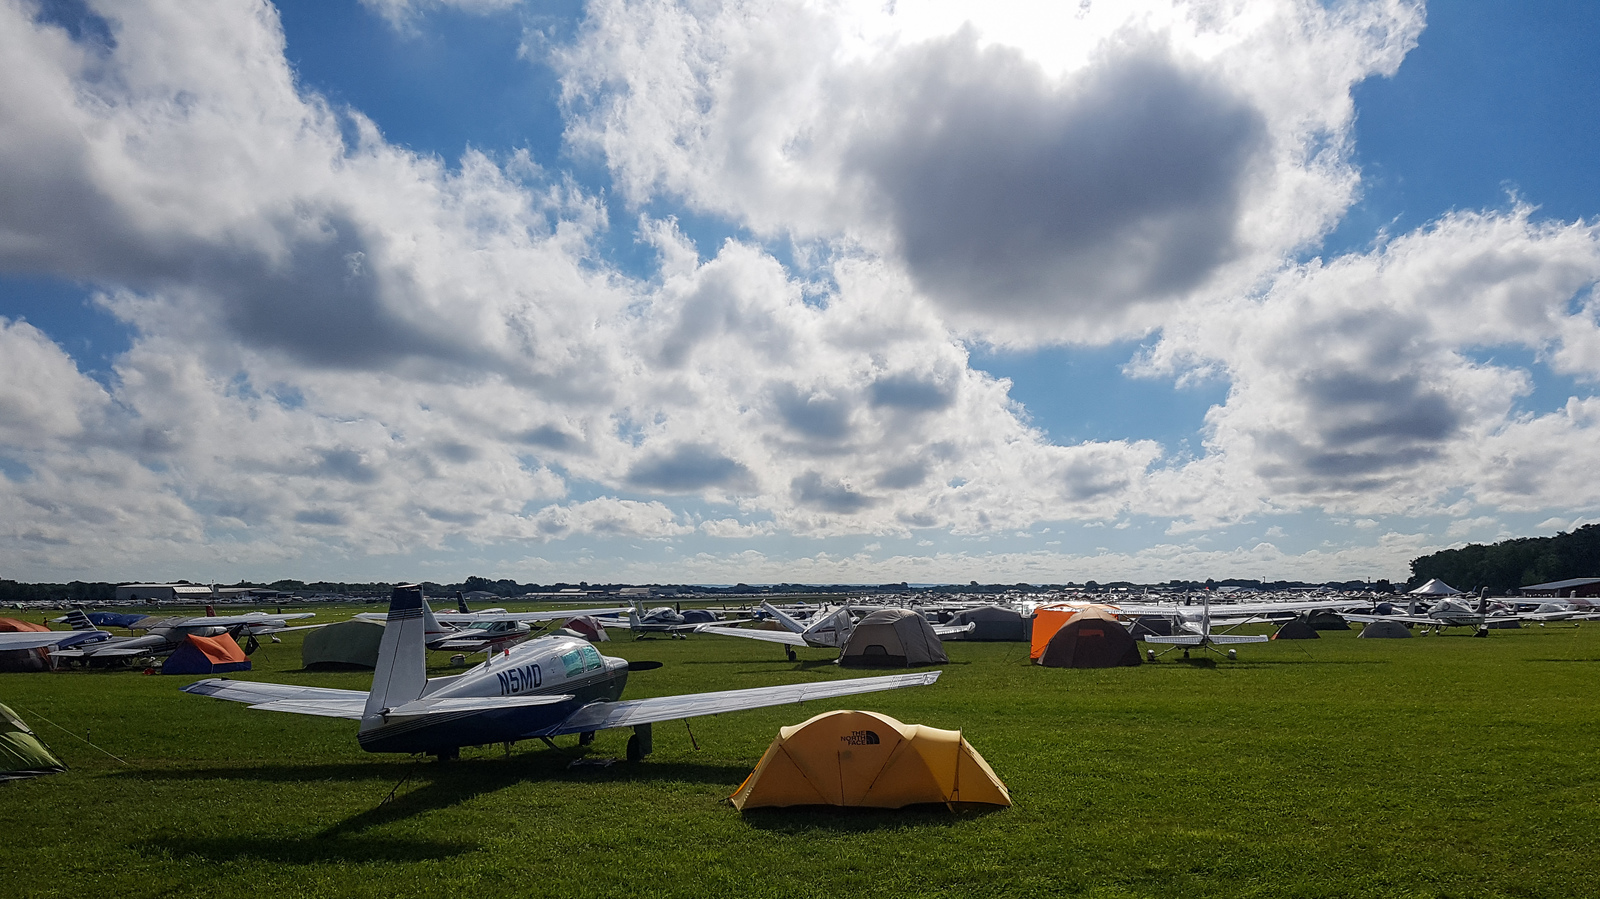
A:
x,y
425,787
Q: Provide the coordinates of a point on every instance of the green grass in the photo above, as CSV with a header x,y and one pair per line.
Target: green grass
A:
x,y
1444,766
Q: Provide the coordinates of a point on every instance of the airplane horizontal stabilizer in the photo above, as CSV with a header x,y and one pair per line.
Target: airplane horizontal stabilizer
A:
x,y
260,695
628,712
1239,638
1176,639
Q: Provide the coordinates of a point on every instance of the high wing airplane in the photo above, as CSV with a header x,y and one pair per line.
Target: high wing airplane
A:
x,y
543,688
1451,612
1200,634
163,635
823,631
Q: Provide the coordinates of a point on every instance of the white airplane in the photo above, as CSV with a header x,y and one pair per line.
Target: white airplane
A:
x,y
486,630
164,635
827,630
1200,634
1451,612
659,620
543,688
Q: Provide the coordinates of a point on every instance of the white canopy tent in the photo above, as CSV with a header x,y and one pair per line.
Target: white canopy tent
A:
x,y
1435,587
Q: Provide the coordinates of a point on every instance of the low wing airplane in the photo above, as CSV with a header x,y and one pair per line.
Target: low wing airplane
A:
x,y
1199,633
483,631
540,689
50,639
163,635
659,620
823,631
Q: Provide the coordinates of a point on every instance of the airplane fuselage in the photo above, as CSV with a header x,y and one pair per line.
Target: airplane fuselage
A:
x,y
555,666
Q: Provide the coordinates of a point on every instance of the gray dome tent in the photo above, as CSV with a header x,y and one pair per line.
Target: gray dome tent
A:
x,y
348,644
995,623
893,638
1298,629
1384,629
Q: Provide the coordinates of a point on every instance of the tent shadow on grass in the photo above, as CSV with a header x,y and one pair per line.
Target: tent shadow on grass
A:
x,y
802,819
312,850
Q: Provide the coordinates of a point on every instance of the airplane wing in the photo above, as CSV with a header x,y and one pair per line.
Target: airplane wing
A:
x,y
602,715
257,619
458,618
785,637
322,701
41,639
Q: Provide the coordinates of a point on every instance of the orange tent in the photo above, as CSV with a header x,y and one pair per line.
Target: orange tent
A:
x,y
206,655
1049,619
872,760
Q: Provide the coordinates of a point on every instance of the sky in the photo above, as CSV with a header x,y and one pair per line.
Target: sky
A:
x,y
785,291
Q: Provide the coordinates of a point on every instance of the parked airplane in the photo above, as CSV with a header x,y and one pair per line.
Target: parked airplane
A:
x,y
543,688
50,639
486,630
659,620
825,630
1451,612
163,635
1199,632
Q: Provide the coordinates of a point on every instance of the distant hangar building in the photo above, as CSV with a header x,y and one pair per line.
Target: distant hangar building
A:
x,y
164,593
1571,588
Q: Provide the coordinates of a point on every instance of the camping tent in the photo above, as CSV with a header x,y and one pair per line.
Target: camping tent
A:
x,y
352,643
1384,629
206,655
893,638
995,623
1049,619
23,659
1094,638
872,760
1435,587
588,627
1297,629
1151,626
21,753
1326,620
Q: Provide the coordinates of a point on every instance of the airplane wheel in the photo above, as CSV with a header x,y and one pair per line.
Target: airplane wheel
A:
x,y
585,738
635,754
790,651
448,755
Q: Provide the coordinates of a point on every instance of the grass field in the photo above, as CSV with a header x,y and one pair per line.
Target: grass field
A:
x,y
1442,766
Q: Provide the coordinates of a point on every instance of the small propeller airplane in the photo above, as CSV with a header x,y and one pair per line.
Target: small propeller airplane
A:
x,y
825,630
164,635
659,620
540,689
486,630
1200,633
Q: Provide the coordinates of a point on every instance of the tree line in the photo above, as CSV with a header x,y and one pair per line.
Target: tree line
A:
x,y
1510,564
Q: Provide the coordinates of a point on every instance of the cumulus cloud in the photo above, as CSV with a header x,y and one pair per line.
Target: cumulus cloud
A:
x,y
1177,154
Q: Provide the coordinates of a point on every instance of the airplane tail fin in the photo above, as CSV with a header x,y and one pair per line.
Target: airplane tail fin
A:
x,y
80,621
461,604
401,674
211,610
636,616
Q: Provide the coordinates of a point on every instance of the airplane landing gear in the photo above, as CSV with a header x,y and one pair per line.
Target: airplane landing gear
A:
x,y
641,743
585,738
789,651
447,755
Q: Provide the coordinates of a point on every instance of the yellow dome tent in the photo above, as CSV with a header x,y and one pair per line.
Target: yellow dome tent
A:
x,y
872,760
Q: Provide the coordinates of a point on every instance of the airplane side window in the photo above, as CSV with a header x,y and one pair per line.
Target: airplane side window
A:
x,y
591,656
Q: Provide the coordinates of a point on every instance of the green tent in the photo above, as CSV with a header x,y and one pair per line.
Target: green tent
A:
x,y
348,644
21,753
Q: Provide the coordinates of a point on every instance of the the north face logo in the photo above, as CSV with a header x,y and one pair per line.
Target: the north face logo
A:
x,y
861,738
